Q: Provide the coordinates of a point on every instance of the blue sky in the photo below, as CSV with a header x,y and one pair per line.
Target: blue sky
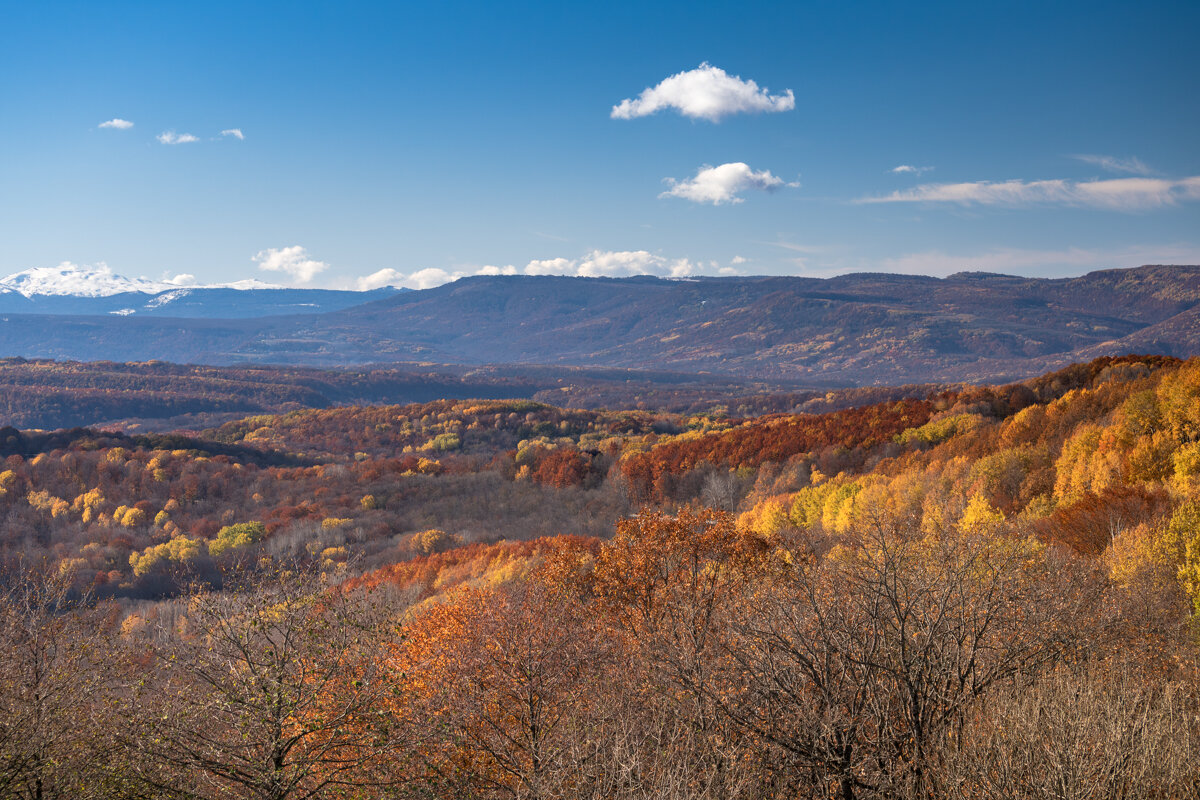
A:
x,y
409,143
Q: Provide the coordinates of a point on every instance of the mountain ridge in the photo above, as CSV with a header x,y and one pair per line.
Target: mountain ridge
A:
x,y
867,328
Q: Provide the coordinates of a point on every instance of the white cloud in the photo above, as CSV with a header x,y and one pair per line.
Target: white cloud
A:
x,y
1119,194
118,123
609,264
909,169
738,260
428,278
182,279
234,132
377,280
613,264
603,264
420,279
171,137
596,264
491,270
706,92
723,184
293,261
1133,166
550,266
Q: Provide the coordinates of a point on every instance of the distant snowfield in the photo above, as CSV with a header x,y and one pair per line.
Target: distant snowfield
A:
x,y
91,290
74,280
167,297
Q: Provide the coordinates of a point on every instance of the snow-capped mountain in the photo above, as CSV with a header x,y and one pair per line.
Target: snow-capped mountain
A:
x,y
98,280
96,289
72,280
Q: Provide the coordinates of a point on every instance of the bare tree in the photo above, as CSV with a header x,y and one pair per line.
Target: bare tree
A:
x,y
271,691
1078,736
56,692
722,489
865,661
672,585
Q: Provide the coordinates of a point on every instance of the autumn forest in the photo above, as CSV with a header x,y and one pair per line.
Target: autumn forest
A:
x,y
933,591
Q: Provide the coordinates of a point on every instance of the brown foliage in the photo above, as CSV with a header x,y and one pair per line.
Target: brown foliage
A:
x,y
1089,525
773,439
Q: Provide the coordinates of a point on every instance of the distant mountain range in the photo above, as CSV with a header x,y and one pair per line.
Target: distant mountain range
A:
x,y
853,329
74,290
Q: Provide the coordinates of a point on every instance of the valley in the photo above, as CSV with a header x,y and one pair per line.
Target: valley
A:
x,y
760,502
609,401
437,564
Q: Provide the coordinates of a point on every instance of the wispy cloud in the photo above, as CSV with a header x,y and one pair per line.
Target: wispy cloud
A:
x,y
293,261
1019,261
706,92
723,184
1117,194
234,132
1039,262
171,137
1131,166
808,249
909,169
117,123
1031,262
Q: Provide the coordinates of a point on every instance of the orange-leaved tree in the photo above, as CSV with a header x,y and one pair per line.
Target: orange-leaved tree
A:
x,y
502,687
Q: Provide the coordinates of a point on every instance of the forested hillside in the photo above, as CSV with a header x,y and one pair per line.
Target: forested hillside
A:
x,y
158,395
58,394
977,592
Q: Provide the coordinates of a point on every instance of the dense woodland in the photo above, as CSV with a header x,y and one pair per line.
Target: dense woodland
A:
x,y
965,592
160,396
